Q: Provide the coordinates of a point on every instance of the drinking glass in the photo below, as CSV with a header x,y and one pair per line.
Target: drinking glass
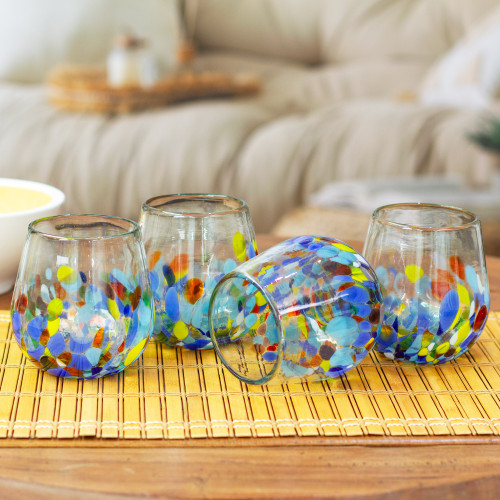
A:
x,y
82,303
191,241
430,263
306,309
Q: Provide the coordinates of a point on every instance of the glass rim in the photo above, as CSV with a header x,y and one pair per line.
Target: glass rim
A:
x,y
163,210
376,216
134,230
277,318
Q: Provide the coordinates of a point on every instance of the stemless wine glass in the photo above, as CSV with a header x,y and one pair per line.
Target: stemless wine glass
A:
x,y
430,263
191,241
82,302
308,308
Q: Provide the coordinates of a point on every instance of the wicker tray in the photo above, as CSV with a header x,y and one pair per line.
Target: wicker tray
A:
x,y
85,89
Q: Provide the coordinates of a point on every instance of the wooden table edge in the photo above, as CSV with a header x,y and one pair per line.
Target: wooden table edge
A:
x,y
264,442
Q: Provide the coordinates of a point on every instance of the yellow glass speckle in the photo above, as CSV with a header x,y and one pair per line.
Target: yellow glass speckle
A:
x,y
180,330
358,275
113,309
55,308
463,294
325,365
135,352
264,270
53,326
414,272
301,321
239,246
443,348
463,332
455,321
66,275
260,299
341,246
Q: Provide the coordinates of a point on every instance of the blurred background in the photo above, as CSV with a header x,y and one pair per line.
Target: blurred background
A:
x,y
359,104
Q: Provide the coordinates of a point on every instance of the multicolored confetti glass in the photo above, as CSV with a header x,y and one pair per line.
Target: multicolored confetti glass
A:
x,y
191,241
430,263
308,308
82,304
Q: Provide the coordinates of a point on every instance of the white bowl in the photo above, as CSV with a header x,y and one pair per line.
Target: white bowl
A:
x,y
14,225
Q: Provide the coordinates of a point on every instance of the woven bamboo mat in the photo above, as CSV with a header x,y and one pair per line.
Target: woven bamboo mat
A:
x,y
177,394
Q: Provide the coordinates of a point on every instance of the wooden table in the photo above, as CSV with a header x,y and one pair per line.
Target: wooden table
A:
x,y
251,468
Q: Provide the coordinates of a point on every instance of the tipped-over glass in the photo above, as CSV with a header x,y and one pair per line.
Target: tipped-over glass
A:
x,y
306,309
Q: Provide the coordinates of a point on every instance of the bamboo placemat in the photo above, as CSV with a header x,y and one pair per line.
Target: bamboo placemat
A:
x,y
178,394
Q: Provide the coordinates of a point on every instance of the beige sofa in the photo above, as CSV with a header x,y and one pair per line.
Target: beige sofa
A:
x,y
336,78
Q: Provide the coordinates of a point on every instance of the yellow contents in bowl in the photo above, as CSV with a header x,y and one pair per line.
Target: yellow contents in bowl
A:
x,y
15,199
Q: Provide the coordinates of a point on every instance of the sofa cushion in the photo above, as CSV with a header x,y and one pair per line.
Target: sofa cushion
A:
x,y
37,35
410,29
469,74
319,31
289,87
285,160
306,128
